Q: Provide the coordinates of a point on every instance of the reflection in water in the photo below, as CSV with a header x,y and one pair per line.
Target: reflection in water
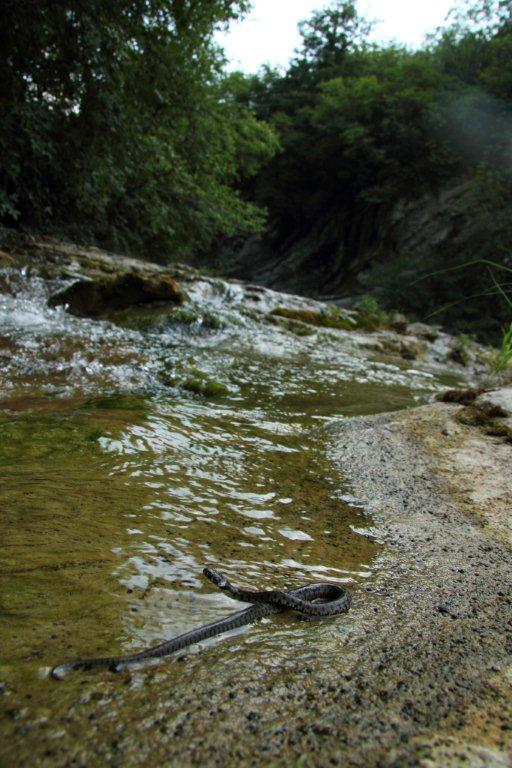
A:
x,y
119,484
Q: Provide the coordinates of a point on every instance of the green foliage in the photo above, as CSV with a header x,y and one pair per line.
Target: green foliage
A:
x,y
330,34
504,357
365,129
117,127
371,316
357,124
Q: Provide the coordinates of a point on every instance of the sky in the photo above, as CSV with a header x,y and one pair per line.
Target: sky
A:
x,y
269,33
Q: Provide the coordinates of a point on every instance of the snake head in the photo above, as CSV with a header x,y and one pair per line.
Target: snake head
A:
x,y
216,577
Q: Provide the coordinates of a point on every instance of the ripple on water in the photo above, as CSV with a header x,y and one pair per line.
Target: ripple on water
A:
x,y
118,487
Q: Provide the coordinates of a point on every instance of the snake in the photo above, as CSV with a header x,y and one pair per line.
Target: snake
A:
x,y
312,600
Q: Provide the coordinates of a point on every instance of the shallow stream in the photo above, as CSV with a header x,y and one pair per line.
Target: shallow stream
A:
x,y
133,453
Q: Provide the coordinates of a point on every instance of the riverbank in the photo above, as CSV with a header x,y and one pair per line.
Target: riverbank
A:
x,y
433,682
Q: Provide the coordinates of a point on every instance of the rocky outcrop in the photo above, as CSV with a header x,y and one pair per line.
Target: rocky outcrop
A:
x,y
333,258
93,297
87,281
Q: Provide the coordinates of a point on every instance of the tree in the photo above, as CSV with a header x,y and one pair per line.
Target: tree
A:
x,y
331,33
115,127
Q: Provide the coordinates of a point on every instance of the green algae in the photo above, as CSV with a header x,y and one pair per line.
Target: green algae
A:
x,y
200,385
333,318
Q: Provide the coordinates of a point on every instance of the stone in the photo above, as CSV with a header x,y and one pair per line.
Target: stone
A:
x,y
423,331
104,294
448,429
459,354
399,322
410,349
499,399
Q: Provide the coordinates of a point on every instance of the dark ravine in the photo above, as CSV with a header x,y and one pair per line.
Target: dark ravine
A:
x,y
335,258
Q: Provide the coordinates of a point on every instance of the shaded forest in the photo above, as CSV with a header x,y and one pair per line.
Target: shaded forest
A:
x,y
120,127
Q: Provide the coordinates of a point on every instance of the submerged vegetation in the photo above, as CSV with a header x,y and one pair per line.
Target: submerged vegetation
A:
x,y
119,126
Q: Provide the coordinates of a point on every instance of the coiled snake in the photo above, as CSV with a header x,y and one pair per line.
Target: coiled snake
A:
x,y
333,600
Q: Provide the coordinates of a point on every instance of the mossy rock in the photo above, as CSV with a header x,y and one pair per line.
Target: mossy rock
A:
x,y
365,322
490,419
92,298
190,316
334,319
292,326
197,382
205,387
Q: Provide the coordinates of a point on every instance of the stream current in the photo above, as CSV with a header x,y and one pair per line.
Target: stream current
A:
x,y
132,453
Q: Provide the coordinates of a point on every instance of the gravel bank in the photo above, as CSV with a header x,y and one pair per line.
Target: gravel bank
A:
x,y
434,683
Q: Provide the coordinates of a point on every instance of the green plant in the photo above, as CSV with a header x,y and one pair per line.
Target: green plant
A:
x,y
117,126
503,358
371,316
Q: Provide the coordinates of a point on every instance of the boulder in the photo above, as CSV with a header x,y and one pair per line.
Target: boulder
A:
x,y
498,399
423,331
106,293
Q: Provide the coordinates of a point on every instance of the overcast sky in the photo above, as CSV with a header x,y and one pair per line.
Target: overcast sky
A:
x,y
269,33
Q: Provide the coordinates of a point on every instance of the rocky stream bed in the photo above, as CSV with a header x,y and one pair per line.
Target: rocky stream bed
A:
x,y
154,420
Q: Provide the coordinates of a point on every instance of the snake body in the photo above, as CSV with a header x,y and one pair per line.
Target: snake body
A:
x,y
333,601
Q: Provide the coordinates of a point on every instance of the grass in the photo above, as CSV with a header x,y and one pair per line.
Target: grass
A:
x,y
503,358
371,317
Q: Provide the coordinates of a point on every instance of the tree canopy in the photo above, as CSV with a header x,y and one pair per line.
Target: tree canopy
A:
x,y
364,128
116,125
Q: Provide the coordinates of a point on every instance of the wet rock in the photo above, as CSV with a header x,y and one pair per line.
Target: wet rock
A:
x,y
410,349
423,331
499,399
93,297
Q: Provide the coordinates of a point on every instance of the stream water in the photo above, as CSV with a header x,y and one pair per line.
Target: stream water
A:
x,y
133,453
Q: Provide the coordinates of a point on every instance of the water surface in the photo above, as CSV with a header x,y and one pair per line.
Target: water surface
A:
x,y
134,453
